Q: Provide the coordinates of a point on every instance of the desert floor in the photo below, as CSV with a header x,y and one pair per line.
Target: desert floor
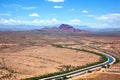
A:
x,y
101,76
37,60
27,54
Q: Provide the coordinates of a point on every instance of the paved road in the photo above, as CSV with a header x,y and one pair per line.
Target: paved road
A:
x,y
110,61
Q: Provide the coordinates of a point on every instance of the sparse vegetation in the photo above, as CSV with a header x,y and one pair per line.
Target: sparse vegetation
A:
x,y
32,65
62,78
117,60
89,71
108,66
4,47
10,73
68,68
23,37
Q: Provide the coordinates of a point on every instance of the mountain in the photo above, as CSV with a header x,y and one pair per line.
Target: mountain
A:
x,y
63,28
57,29
46,29
82,27
77,28
18,27
110,30
68,28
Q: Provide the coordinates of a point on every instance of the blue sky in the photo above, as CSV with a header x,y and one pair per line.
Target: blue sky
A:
x,y
92,13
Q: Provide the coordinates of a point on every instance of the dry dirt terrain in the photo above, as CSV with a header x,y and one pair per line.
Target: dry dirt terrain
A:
x,y
26,54
109,45
37,60
102,76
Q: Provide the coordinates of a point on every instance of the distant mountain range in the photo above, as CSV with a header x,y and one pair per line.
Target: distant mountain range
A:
x,y
68,28
109,31
63,28
18,27
58,28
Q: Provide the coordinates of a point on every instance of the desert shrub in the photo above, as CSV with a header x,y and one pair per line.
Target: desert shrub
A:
x,y
117,60
108,66
23,37
69,68
89,71
4,46
66,67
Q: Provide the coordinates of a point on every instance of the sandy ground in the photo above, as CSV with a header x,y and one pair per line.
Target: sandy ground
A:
x,y
105,74
101,76
37,60
4,45
25,61
85,47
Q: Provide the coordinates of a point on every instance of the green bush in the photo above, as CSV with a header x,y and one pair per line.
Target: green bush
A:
x,y
89,71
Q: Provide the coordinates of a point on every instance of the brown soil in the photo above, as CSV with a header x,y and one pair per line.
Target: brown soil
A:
x,y
26,53
102,76
37,60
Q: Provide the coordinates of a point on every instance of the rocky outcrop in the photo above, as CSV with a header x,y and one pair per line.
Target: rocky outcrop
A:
x,y
68,28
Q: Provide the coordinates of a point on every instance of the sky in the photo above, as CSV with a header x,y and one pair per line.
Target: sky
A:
x,y
92,13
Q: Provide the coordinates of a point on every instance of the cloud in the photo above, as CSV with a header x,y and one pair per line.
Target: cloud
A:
x,y
19,6
99,25
54,20
112,19
71,9
46,21
75,21
5,14
34,15
55,0
29,8
57,6
12,21
84,11
91,15
109,17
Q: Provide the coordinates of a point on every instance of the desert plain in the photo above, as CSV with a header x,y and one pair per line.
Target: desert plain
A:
x,y
27,54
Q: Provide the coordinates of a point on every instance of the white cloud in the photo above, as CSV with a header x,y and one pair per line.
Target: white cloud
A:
x,y
99,25
34,15
36,21
54,20
45,21
5,14
71,9
12,21
84,11
91,15
74,21
55,0
57,6
109,17
16,6
29,8
113,20
4,21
